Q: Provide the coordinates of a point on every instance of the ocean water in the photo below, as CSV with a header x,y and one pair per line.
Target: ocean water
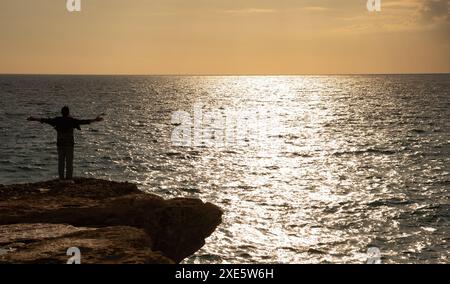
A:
x,y
344,164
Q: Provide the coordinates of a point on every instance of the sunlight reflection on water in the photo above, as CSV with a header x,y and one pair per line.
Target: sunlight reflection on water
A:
x,y
356,162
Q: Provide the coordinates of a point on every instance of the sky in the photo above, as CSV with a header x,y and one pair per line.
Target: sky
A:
x,y
254,37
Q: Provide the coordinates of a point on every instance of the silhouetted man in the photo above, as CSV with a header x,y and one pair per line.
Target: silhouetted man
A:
x,y
65,142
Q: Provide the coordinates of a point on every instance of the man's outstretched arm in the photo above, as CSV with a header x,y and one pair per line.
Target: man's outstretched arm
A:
x,y
31,118
41,120
89,121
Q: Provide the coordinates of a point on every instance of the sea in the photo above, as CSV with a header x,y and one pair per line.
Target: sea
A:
x,y
308,169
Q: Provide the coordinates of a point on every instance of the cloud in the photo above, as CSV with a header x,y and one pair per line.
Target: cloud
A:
x,y
432,10
315,8
434,16
401,5
250,11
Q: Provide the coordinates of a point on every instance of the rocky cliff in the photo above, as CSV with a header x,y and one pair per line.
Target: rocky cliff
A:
x,y
109,222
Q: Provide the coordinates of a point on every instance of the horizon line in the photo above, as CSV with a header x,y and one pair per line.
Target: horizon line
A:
x,y
222,75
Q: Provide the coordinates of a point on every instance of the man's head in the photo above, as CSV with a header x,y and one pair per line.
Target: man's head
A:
x,y
65,111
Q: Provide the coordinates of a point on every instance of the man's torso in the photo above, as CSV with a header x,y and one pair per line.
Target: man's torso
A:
x,y
64,127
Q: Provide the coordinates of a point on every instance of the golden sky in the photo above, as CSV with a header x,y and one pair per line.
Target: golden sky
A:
x,y
224,37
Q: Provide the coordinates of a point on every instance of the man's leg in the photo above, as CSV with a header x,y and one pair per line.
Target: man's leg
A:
x,y
61,162
69,162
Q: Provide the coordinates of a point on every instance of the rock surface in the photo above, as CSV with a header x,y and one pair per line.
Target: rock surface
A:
x,y
49,244
110,222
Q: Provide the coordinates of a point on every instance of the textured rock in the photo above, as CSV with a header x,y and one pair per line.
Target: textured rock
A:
x,y
177,228
108,245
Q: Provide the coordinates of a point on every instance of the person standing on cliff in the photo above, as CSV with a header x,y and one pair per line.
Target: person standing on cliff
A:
x,y
65,142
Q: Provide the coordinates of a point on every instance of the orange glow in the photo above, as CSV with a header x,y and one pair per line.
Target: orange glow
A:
x,y
224,37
